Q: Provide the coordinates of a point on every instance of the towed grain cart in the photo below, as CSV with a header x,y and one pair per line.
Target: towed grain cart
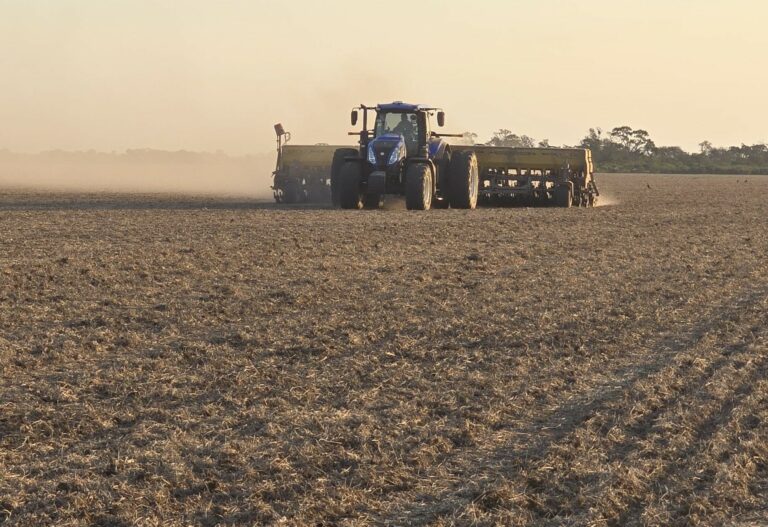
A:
x,y
557,176
303,172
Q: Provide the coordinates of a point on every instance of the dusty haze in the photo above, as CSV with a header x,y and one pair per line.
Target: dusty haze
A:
x,y
139,171
204,76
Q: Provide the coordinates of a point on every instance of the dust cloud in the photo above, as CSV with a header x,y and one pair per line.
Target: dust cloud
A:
x,y
606,200
394,203
146,171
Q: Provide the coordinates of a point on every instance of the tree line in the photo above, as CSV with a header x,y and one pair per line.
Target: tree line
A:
x,y
625,149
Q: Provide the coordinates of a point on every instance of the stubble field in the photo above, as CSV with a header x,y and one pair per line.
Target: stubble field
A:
x,y
198,361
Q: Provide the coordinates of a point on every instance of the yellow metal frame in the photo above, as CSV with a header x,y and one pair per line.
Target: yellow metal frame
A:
x,y
577,159
309,156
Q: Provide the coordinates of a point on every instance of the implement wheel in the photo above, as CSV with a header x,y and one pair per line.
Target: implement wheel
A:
x,y
338,161
463,180
418,187
563,196
350,196
293,193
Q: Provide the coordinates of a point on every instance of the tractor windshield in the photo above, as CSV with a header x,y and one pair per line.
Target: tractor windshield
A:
x,y
401,123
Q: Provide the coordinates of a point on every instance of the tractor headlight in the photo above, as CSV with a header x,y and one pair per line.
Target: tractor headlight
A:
x,y
371,155
394,157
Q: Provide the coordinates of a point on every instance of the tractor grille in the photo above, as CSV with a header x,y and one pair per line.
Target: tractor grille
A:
x,y
382,150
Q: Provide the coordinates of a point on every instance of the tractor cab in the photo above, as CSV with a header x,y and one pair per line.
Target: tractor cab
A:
x,y
401,131
399,123
411,121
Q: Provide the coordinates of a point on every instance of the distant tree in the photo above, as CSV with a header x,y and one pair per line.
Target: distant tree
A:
x,y
469,137
642,143
672,153
635,141
505,137
544,143
622,135
594,140
625,149
499,137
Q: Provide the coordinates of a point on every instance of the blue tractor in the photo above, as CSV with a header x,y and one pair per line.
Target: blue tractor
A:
x,y
401,155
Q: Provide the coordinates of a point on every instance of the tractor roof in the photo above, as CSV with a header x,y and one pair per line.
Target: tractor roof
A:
x,y
399,106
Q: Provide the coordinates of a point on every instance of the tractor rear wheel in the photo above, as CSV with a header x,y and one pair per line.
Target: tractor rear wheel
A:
x,y
418,187
563,196
350,196
338,161
463,180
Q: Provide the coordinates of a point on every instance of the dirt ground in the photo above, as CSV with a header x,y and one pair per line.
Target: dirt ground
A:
x,y
172,360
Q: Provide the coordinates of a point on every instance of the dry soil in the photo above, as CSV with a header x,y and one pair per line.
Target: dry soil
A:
x,y
173,360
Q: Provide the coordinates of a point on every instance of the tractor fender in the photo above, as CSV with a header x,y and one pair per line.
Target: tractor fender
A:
x,y
440,154
422,161
443,161
437,149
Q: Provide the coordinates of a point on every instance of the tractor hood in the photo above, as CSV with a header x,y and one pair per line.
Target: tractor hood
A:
x,y
386,150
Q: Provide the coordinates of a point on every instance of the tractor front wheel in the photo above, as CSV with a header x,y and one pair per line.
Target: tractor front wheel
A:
x,y
418,187
372,201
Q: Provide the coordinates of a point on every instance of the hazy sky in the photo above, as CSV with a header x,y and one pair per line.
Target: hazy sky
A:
x,y
208,75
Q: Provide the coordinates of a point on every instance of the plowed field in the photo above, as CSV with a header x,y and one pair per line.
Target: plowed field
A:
x,y
171,360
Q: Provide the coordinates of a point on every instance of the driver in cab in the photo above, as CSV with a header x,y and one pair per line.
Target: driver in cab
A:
x,y
405,127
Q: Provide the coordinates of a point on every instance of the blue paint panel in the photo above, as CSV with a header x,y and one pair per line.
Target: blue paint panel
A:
x,y
400,107
386,150
436,147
